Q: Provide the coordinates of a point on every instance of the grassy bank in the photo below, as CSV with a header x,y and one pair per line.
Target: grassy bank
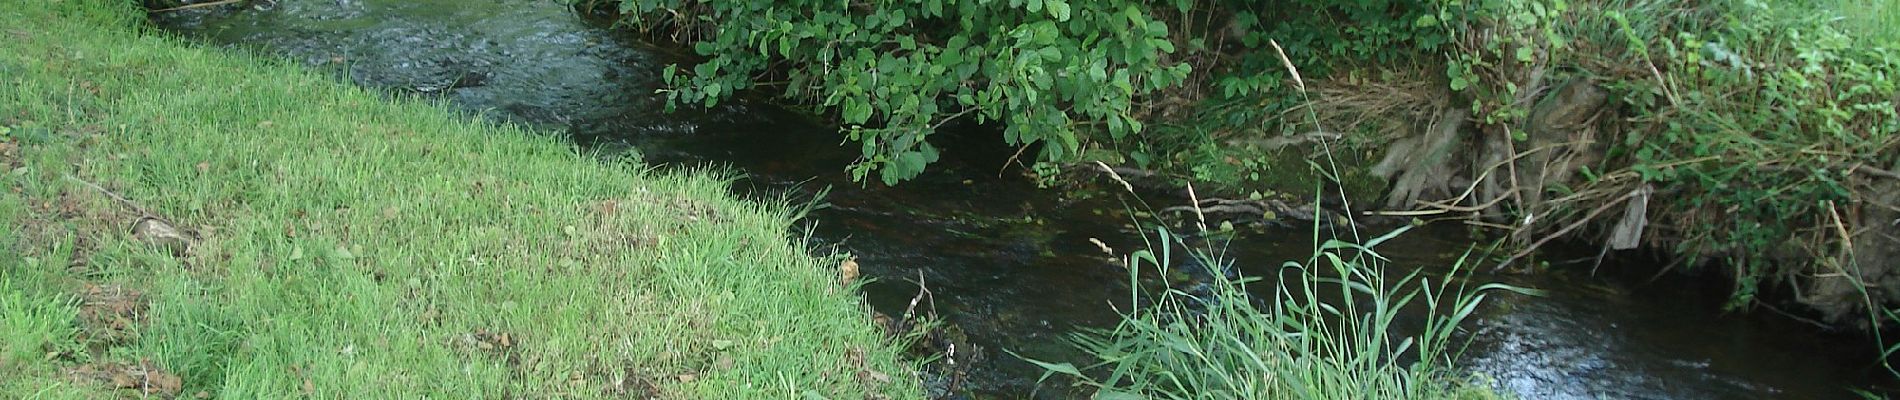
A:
x,y
343,244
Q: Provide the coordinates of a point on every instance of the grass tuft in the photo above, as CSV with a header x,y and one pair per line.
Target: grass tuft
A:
x,y
1330,329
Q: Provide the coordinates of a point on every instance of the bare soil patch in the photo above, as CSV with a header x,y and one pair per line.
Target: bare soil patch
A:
x,y
111,314
145,377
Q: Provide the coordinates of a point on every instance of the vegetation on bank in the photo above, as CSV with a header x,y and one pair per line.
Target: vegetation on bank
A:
x,y
330,242
1756,136
1766,126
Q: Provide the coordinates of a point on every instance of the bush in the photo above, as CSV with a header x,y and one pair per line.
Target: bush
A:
x,y
1759,122
1068,76
896,71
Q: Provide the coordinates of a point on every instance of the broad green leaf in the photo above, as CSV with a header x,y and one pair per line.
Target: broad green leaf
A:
x,y
1058,9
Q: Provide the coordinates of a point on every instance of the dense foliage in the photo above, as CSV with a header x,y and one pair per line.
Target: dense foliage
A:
x,y
1069,76
893,72
1759,122
1756,118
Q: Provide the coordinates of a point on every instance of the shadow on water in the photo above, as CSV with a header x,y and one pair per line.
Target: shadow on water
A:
x,y
1010,265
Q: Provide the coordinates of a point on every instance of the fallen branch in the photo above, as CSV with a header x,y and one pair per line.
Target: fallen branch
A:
x,y
199,5
115,197
923,292
1450,206
1874,171
1561,232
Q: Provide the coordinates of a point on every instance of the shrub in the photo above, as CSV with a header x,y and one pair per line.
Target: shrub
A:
x,y
1760,123
893,72
1065,75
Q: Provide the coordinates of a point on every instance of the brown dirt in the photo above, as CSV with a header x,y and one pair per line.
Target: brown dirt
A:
x,y
9,156
111,314
610,232
1835,288
489,341
867,378
85,216
502,346
695,211
633,384
147,378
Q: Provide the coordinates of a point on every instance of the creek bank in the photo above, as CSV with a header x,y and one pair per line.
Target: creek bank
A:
x,y
325,240
1592,156
1561,181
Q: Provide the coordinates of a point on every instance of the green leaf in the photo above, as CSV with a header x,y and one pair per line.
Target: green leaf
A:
x,y
1058,9
1050,54
1060,368
343,254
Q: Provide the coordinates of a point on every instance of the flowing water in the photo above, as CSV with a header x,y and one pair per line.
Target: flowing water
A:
x,y
1007,264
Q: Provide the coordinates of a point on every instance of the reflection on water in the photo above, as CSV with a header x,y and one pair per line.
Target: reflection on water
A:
x,y
1007,263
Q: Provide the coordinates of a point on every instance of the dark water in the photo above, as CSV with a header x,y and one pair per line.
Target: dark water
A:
x,y
1008,264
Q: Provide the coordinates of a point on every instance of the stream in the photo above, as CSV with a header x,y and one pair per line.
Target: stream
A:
x,y
1009,265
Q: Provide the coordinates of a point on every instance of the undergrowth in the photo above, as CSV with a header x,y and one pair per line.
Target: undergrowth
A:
x,y
1760,133
1766,126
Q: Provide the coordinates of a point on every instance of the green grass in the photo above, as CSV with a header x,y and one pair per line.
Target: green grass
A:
x,y
1871,22
353,245
1328,331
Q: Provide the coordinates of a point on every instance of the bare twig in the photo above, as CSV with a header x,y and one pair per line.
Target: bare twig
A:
x,y
115,197
1560,232
922,292
1517,190
1874,171
199,5
1450,206
1013,159
1482,224
1847,240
